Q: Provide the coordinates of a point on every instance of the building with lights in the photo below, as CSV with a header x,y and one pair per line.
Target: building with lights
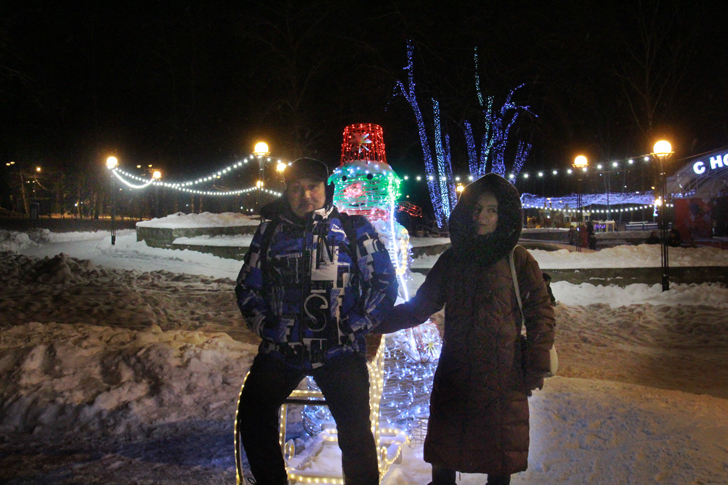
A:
x,y
700,193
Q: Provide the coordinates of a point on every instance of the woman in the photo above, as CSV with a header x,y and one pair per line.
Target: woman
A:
x,y
479,408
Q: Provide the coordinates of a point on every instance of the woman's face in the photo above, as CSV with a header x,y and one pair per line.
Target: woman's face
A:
x,y
485,214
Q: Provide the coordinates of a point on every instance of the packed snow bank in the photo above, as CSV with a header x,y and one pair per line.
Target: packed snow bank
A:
x,y
706,295
642,256
205,219
241,241
103,379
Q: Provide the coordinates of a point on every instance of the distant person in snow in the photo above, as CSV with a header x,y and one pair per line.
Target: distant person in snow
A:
x,y
313,284
653,239
591,236
479,417
673,238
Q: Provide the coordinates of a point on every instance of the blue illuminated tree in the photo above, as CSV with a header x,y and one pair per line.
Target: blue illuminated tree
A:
x,y
435,183
497,124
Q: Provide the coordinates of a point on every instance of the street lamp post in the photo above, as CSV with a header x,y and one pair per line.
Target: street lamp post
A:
x,y
280,168
156,176
111,164
261,151
662,153
580,165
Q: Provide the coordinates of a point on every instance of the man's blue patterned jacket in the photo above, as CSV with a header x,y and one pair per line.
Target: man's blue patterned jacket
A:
x,y
310,292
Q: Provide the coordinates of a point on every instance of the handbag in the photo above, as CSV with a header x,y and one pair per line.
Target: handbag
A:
x,y
522,337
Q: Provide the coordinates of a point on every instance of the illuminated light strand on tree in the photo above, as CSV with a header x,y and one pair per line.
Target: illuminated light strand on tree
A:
x,y
449,175
479,167
521,155
472,150
441,163
477,79
410,95
500,130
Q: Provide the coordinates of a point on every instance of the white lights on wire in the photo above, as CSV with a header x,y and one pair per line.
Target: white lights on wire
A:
x,y
184,186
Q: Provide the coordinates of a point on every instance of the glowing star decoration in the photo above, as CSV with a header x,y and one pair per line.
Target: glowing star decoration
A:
x,y
362,140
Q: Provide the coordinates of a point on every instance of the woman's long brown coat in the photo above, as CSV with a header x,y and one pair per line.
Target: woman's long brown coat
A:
x,y
479,409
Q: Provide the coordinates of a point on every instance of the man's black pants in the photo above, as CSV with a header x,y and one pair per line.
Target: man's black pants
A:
x,y
344,383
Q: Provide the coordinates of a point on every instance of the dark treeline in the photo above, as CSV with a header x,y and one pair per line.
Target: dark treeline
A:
x,y
189,86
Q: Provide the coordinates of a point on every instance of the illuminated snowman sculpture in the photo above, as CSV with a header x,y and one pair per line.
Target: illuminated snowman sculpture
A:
x,y
366,185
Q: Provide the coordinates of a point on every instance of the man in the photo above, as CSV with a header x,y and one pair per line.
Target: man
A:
x,y
314,282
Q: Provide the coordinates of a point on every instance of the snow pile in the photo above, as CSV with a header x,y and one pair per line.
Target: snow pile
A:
x,y
63,289
15,241
105,379
205,219
705,295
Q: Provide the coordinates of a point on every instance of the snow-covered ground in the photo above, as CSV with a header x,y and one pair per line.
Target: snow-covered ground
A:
x,y
122,364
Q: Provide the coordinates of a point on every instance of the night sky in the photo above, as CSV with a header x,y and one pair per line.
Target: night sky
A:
x,y
191,86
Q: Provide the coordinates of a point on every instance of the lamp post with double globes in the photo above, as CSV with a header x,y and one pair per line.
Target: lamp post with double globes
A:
x,y
661,153
111,164
261,151
580,165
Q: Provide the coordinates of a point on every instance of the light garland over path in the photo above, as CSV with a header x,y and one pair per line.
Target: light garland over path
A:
x,y
186,186
645,200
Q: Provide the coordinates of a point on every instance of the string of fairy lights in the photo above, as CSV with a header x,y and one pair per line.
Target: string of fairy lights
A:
x,y
190,186
187,186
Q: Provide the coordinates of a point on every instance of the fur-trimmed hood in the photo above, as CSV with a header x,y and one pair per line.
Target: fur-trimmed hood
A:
x,y
492,247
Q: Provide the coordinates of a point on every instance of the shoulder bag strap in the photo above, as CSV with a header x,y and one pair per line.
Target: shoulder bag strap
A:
x,y
517,288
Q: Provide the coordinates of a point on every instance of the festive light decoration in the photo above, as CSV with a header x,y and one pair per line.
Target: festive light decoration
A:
x,y
443,163
389,441
411,209
410,95
566,202
185,186
366,185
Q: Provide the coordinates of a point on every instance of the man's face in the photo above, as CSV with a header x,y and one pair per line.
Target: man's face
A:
x,y
306,195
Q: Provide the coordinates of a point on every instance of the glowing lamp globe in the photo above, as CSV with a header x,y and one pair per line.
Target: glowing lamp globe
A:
x,y
580,162
112,163
157,175
261,149
662,149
